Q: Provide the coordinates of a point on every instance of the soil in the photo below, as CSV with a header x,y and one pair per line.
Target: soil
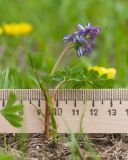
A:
x,y
40,149
109,146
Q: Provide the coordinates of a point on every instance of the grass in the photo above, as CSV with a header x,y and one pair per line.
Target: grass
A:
x,y
8,153
11,155
6,157
23,141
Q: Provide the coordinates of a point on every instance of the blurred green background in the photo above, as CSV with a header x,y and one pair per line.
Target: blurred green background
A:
x,y
51,20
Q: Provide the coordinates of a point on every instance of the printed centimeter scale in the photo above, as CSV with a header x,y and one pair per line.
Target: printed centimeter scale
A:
x,y
69,94
101,110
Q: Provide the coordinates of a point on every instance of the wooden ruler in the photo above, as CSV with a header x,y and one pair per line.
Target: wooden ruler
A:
x,y
92,110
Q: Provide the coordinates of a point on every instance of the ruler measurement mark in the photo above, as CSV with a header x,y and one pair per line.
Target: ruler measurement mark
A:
x,y
120,96
57,103
65,92
93,103
75,103
120,101
111,103
79,95
93,98
39,103
30,101
3,103
83,96
109,112
101,97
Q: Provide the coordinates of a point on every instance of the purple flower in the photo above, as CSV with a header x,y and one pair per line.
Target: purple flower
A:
x,y
69,37
83,38
92,32
82,46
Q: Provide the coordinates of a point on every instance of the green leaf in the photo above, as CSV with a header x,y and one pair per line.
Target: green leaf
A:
x,y
104,77
10,110
14,108
11,99
36,59
13,123
13,119
93,74
47,78
12,116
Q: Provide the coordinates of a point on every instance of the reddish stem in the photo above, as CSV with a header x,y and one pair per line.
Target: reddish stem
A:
x,y
47,121
47,113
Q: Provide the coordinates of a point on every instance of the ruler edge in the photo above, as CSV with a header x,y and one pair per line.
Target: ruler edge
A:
x,y
69,94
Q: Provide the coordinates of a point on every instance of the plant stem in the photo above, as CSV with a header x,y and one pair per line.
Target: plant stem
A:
x,y
66,49
38,110
81,155
49,107
47,121
5,142
48,101
56,89
47,113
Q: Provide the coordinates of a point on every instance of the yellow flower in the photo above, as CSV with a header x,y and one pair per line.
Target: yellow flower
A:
x,y
17,28
1,30
111,72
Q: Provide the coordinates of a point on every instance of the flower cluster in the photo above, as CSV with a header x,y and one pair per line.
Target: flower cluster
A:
x,y
111,72
16,28
83,38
